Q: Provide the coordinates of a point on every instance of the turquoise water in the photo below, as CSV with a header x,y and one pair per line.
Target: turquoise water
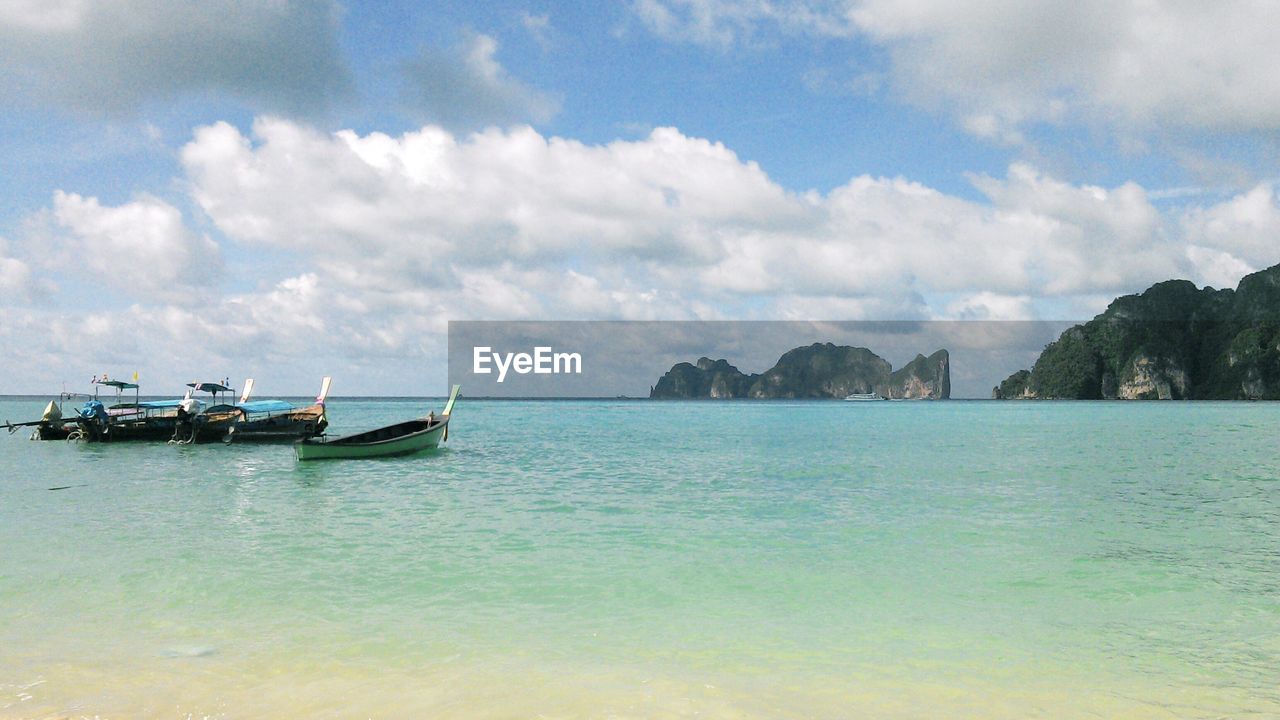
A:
x,y
636,559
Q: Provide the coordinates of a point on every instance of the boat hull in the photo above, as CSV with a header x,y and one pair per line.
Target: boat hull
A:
x,y
59,430
274,430
401,439
160,428
279,427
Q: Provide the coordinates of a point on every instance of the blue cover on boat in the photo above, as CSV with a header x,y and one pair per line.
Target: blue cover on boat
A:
x,y
259,406
155,404
94,410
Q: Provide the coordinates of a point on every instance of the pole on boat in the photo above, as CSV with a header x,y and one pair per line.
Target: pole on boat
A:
x,y
324,389
448,408
453,397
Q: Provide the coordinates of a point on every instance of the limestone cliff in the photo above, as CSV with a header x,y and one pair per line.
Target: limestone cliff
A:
x,y
821,370
1172,342
923,377
708,378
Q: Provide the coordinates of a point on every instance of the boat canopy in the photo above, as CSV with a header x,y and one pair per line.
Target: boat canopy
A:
x,y
209,387
159,404
118,384
261,406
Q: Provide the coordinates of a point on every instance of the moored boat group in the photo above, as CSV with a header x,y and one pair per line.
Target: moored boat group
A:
x,y
182,420
193,419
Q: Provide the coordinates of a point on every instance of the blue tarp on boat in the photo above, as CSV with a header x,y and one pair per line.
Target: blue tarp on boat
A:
x,y
265,406
94,410
159,404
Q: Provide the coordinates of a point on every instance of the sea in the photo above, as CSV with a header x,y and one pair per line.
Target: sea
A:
x,y
637,559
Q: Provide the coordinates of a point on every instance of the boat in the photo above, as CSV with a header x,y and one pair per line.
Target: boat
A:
x,y
403,438
277,420
98,422
863,397
138,420
247,420
198,421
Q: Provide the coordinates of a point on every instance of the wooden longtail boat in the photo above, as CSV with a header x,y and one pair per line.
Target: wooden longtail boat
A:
x,y
98,422
277,420
403,438
201,422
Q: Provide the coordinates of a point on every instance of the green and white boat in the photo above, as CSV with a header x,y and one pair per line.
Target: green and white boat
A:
x,y
403,438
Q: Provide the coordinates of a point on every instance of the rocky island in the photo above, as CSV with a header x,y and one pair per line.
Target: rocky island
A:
x,y
1174,341
821,370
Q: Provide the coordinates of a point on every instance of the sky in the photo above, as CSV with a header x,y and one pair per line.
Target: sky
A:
x,y
286,190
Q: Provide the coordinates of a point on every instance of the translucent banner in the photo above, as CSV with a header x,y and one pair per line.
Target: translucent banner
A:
x,y
742,359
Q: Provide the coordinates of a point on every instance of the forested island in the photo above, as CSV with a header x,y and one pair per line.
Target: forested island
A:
x,y
1174,341
820,370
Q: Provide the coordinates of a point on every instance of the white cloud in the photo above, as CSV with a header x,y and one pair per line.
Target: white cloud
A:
x,y
1086,238
142,248
540,28
115,55
990,306
426,200
468,88
1140,63
720,23
1002,64
16,282
1038,237
388,238
807,306
668,215
695,24
1216,268
42,15
1246,227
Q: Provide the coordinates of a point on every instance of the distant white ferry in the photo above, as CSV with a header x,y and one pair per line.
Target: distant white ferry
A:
x,y
861,397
